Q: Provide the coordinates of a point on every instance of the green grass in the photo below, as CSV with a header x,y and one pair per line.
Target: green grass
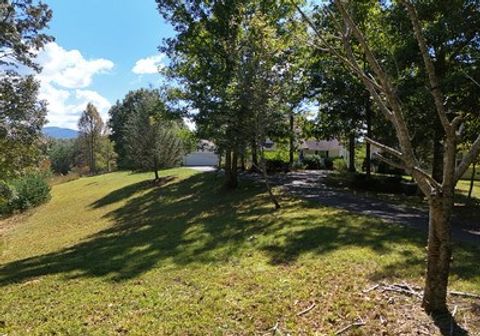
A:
x,y
116,255
464,186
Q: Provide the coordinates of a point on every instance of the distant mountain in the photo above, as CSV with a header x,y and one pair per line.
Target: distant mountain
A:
x,y
60,133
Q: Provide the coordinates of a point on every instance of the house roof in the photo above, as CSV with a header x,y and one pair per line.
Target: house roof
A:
x,y
321,145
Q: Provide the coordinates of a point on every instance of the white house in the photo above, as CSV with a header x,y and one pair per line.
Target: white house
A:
x,y
204,155
324,148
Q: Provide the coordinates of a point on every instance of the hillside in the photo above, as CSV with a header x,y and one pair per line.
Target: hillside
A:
x,y
114,254
60,133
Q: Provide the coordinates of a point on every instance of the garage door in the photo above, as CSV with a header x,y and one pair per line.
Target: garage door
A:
x,y
201,159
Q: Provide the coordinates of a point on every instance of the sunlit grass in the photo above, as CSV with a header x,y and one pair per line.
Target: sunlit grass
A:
x,y
115,254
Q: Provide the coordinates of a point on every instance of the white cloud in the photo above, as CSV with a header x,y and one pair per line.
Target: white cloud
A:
x,y
149,65
89,96
64,81
69,69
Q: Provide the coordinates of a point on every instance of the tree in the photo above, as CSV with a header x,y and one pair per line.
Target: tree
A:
x,y
62,153
209,55
341,99
91,128
21,119
22,114
119,115
106,157
21,23
152,140
383,90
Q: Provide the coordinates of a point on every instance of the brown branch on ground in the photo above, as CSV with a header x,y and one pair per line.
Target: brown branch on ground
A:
x,y
303,312
353,325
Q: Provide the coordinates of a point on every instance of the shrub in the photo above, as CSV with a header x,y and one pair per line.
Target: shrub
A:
x,y
384,184
328,162
275,166
298,165
6,194
340,165
314,162
26,192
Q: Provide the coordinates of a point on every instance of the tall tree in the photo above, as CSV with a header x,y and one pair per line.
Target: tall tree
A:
x,y
208,58
152,140
382,87
119,115
91,128
22,114
21,119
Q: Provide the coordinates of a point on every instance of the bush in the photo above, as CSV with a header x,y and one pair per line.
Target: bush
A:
x,y
314,162
25,193
298,165
6,194
328,162
340,165
384,184
275,166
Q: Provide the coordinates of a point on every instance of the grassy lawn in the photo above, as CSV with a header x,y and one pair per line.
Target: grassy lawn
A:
x,y
116,255
464,186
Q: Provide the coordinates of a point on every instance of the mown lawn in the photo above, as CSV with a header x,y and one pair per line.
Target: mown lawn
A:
x,y
464,186
117,255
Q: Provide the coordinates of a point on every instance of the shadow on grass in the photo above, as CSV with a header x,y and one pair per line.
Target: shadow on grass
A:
x,y
192,221
448,326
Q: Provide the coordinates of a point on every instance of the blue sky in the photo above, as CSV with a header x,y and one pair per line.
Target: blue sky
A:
x,y
102,50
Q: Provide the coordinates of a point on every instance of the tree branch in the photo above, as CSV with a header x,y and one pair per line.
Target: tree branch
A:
x,y
468,159
429,66
386,148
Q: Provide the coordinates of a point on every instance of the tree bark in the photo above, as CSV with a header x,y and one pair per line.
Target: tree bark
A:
x,y
231,163
155,168
292,139
472,180
438,152
263,170
228,167
351,149
439,255
254,154
234,171
220,154
368,150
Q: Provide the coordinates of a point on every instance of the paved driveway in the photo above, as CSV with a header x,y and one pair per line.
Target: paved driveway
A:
x,y
311,185
203,168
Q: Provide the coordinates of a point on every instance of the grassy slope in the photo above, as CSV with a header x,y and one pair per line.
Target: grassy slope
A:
x,y
114,255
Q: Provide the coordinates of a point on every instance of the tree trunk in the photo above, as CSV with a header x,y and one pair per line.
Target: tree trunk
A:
x,y
439,255
228,167
263,170
368,113
254,154
472,180
231,162
234,172
155,168
438,151
242,162
292,140
351,149
92,150
220,154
